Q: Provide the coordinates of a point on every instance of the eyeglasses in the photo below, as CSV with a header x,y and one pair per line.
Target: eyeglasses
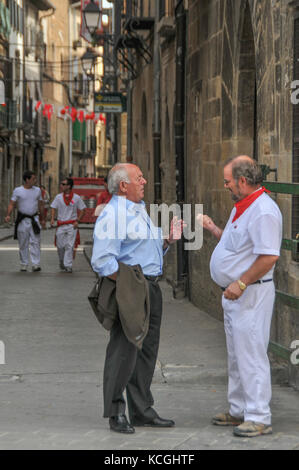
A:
x,y
63,184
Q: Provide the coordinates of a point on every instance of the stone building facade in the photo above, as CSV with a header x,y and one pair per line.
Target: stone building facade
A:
x,y
56,155
239,75
238,60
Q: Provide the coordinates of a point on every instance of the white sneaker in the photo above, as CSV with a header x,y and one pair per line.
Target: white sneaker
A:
x,y
23,267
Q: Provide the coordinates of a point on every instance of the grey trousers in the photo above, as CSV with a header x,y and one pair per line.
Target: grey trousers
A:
x,y
127,367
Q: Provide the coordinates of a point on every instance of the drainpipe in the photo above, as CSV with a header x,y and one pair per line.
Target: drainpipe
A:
x,y
180,18
129,98
129,119
157,99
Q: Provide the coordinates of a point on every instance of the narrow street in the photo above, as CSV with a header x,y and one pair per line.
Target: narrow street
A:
x,y
51,382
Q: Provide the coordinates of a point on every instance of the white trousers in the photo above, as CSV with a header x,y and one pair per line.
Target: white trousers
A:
x,y
29,242
65,240
247,323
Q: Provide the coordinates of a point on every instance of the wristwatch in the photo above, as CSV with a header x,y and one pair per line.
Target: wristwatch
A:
x,y
242,285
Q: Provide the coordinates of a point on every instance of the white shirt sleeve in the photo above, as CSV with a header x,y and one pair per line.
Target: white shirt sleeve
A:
x,y
14,196
266,234
81,204
55,203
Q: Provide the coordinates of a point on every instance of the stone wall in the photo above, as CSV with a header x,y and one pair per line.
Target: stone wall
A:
x,y
239,70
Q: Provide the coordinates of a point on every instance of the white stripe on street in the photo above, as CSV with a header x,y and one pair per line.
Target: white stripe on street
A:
x,y
43,248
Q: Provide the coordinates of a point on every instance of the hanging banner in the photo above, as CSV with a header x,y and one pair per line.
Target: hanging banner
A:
x,y
84,33
110,103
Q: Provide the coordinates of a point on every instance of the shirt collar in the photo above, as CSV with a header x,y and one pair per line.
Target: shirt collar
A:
x,y
138,206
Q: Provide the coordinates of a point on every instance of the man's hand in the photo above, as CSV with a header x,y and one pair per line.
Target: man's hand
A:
x,y
176,230
207,223
75,224
7,219
233,291
43,224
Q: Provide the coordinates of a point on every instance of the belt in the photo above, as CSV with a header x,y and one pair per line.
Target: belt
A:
x,y
153,278
260,281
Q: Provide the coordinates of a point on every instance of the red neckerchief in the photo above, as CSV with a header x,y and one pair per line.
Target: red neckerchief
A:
x,y
242,205
68,198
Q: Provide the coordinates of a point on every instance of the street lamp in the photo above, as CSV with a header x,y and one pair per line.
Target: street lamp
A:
x,y
92,14
97,20
88,60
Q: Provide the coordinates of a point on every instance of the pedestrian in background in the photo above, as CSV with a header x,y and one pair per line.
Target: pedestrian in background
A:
x,y
102,199
70,210
28,199
126,366
46,199
242,264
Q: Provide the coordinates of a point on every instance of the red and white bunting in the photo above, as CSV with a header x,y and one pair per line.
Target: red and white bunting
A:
x,y
68,112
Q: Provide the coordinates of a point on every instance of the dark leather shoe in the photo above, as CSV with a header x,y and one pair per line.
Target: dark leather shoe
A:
x,y
156,423
120,424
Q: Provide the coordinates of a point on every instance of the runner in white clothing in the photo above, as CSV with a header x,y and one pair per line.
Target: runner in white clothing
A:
x,y
242,264
70,210
28,200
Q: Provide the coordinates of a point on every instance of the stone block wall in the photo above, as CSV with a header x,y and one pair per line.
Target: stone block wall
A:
x,y
239,71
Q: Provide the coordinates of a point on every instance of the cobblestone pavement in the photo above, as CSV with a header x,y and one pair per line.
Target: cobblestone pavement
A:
x,y
51,382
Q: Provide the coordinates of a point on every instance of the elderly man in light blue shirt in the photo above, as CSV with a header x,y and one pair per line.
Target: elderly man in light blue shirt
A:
x,y
125,233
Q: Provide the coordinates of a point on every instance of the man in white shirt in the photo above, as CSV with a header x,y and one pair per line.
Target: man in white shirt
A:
x,y
29,201
70,210
242,264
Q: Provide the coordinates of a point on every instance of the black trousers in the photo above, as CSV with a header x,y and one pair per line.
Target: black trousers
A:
x,y
127,367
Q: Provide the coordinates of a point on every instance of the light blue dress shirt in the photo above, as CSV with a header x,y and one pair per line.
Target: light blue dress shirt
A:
x,y
125,233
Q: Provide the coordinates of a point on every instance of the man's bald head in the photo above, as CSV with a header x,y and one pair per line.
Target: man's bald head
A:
x,y
243,165
119,172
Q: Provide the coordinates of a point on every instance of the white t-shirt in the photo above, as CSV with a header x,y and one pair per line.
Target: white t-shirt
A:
x,y
27,199
69,212
258,231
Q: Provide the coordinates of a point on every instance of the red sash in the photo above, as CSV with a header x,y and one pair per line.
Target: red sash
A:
x,y
77,240
242,205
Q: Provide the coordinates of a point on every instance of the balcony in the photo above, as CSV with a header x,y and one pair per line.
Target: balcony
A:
x,y
8,117
134,44
139,23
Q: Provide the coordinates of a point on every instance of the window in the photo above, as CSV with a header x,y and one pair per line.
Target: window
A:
x,y
17,67
12,13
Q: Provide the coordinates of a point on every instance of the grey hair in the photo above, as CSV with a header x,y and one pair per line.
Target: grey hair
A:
x,y
117,174
248,168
